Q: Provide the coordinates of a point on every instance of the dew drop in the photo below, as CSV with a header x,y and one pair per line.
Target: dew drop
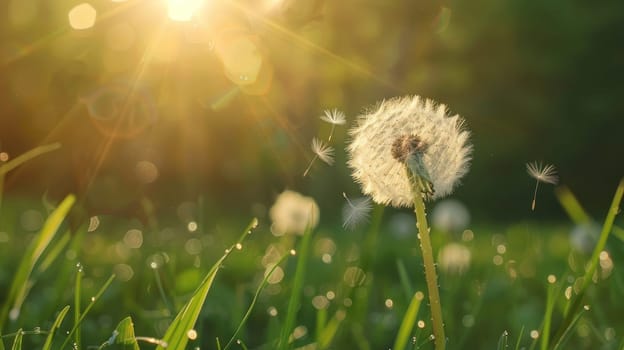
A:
x,y
239,246
534,334
14,314
293,252
92,299
191,334
272,311
227,251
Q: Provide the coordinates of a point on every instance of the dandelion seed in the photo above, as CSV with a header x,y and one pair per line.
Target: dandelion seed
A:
x,y
541,173
333,117
321,151
409,131
324,152
355,211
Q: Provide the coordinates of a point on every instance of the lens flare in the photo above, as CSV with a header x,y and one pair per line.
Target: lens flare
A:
x,y
183,10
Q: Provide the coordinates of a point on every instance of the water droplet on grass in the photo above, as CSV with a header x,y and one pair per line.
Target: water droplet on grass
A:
x,y
14,314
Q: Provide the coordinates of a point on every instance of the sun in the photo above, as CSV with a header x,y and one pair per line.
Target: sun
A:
x,y
183,10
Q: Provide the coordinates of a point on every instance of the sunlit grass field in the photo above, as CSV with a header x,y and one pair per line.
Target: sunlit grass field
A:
x,y
311,174
328,289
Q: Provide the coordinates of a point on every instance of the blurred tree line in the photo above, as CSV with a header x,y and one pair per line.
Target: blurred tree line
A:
x,y
229,103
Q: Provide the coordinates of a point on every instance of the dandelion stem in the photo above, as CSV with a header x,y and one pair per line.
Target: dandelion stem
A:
x,y
534,195
331,133
305,173
430,272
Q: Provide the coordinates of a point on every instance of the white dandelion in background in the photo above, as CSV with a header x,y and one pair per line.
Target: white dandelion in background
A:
x,y
321,151
450,215
355,211
333,117
293,213
541,173
454,258
414,132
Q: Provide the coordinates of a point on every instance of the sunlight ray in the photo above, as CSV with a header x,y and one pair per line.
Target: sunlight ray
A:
x,y
41,43
307,44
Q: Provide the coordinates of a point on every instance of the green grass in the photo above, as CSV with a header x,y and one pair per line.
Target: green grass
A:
x,y
207,289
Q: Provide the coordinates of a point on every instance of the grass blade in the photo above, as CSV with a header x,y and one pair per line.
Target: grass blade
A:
x,y
263,284
519,338
329,332
503,341
56,325
550,305
176,335
20,285
88,308
77,294
593,263
55,251
295,297
409,319
406,283
125,335
24,157
568,330
571,205
17,343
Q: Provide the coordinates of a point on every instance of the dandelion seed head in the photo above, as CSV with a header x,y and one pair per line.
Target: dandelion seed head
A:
x,y
293,213
323,151
454,258
543,173
450,215
334,117
395,131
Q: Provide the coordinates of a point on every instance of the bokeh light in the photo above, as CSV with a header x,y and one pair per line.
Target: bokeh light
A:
x,y
82,16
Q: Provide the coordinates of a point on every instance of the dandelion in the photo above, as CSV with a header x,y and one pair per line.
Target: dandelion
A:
x,y
454,258
355,211
333,117
293,213
541,173
450,215
321,151
408,131
404,152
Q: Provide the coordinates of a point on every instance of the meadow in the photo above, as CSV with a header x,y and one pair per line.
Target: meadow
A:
x,y
184,283
306,174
